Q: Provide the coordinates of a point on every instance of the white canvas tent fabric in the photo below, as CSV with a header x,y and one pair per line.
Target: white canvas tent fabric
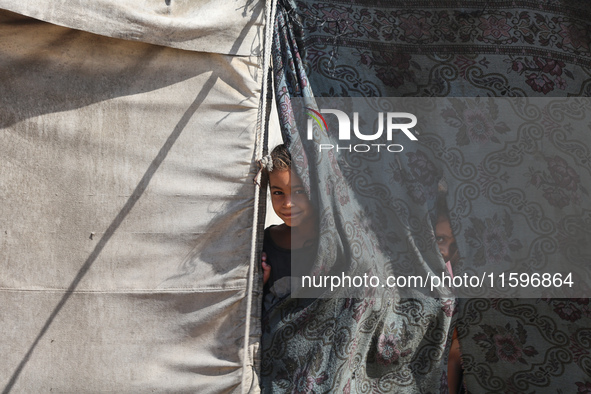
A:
x,y
127,197
221,26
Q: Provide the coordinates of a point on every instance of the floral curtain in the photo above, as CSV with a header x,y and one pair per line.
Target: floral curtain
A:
x,y
516,199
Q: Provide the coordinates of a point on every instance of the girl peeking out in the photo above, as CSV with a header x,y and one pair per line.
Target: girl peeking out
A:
x,y
295,237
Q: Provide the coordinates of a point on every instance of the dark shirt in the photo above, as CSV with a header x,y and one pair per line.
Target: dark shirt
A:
x,y
277,257
280,259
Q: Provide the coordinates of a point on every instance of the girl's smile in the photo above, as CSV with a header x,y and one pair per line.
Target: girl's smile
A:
x,y
289,198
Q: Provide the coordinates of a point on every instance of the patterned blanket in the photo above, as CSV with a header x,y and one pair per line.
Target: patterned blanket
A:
x,y
518,198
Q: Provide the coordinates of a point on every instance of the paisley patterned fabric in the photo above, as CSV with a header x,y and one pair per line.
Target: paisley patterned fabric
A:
x,y
513,197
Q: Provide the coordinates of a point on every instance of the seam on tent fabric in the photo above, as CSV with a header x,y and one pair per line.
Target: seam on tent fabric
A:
x,y
39,18
261,130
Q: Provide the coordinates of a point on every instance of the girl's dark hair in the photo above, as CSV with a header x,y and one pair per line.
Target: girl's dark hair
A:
x,y
281,158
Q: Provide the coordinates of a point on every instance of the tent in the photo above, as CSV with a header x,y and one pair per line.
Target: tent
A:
x,y
129,133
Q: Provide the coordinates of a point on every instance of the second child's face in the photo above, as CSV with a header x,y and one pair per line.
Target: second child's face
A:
x,y
445,238
289,198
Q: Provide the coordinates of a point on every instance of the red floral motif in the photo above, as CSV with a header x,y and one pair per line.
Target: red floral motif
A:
x,y
390,77
540,83
479,126
414,26
561,184
507,348
491,238
556,197
303,382
476,120
579,350
393,69
518,66
463,63
421,180
551,66
495,244
572,309
560,83
360,309
504,343
449,307
541,71
366,59
347,388
494,27
584,388
564,175
422,168
306,378
568,311
388,352
574,36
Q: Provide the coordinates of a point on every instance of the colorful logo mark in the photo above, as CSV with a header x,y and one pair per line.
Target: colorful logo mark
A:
x,y
315,115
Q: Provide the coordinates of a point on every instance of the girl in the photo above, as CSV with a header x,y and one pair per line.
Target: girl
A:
x,y
294,239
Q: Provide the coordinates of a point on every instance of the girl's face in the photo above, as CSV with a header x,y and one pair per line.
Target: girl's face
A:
x,y
289,198
445,238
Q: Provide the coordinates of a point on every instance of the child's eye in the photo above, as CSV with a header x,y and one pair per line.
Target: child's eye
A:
x,y
300,191
277,193
439,239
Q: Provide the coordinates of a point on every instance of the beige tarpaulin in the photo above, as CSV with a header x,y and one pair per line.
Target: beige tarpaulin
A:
x,y
126,193
220,26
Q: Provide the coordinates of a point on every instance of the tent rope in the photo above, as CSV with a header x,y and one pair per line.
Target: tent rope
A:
x,y
261,130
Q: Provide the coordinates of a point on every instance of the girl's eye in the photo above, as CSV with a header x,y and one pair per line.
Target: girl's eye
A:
x,y
301,191
439,240
277,193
